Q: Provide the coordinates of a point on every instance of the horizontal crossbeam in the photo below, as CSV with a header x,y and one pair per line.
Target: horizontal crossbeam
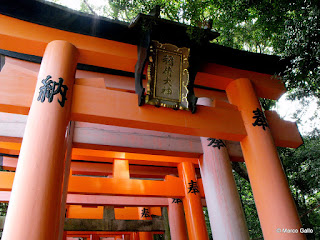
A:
x,y
29,38
171,187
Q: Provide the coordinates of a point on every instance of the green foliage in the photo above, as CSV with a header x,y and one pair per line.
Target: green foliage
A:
x,y
248,205
3,208
287,28
206,217
302,46
267,104
302,167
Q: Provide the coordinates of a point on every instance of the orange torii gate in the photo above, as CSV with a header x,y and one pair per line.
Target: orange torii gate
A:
x,y
234,115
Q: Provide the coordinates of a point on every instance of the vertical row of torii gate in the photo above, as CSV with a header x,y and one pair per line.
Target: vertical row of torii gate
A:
x,y
91,154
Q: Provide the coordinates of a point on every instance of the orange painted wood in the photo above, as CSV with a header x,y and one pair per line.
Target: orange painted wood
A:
x,y
132,213
108,156
275,205
177,222
23,65
6,181
284,133
103,169
12,148
126,213
113,82
13,99
134,158
82,212
15,68
37,188
30,38
91,82
18,88
171,187
144,235
126,187
196,224
132,149
100,200
267,86
121,169
121,109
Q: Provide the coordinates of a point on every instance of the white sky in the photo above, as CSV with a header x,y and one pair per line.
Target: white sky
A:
x,y
75,4
287,108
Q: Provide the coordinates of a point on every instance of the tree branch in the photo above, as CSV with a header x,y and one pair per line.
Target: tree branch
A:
x,y
240,170
87,4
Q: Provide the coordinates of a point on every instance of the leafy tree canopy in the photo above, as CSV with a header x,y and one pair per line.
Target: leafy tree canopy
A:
x,y
283,27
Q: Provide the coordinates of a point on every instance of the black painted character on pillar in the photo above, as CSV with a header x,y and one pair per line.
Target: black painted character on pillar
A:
x,y
176,200
145,212
216,143
51,88
193,187
260,119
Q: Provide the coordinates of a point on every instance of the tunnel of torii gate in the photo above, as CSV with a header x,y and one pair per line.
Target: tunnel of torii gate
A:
x,y
90,157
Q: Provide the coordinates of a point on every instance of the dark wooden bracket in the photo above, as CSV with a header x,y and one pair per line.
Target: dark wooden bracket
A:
x,y
146,26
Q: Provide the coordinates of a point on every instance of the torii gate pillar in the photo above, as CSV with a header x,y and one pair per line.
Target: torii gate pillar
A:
x,y
275,205
196,224
177,222
144,235
224,207
34,208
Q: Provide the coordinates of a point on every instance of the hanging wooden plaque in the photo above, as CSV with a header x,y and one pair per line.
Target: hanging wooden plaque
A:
x,y
168,76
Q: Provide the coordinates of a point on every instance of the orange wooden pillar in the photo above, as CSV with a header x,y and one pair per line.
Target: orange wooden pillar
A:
x,y
196,224
271,192
177,222
144,214
135,236
94,237
34,208
64,236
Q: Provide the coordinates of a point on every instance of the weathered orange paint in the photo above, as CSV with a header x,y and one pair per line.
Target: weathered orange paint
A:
x,y
91,82
135,236
15,98
126,213
102,169
121,169
136,150
6,181
144,235
177,222
133,213
196,224
267,86
284,133
82,212
10,148
170,187
30,38
271,192
134,158
132,187
37,186
127,113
